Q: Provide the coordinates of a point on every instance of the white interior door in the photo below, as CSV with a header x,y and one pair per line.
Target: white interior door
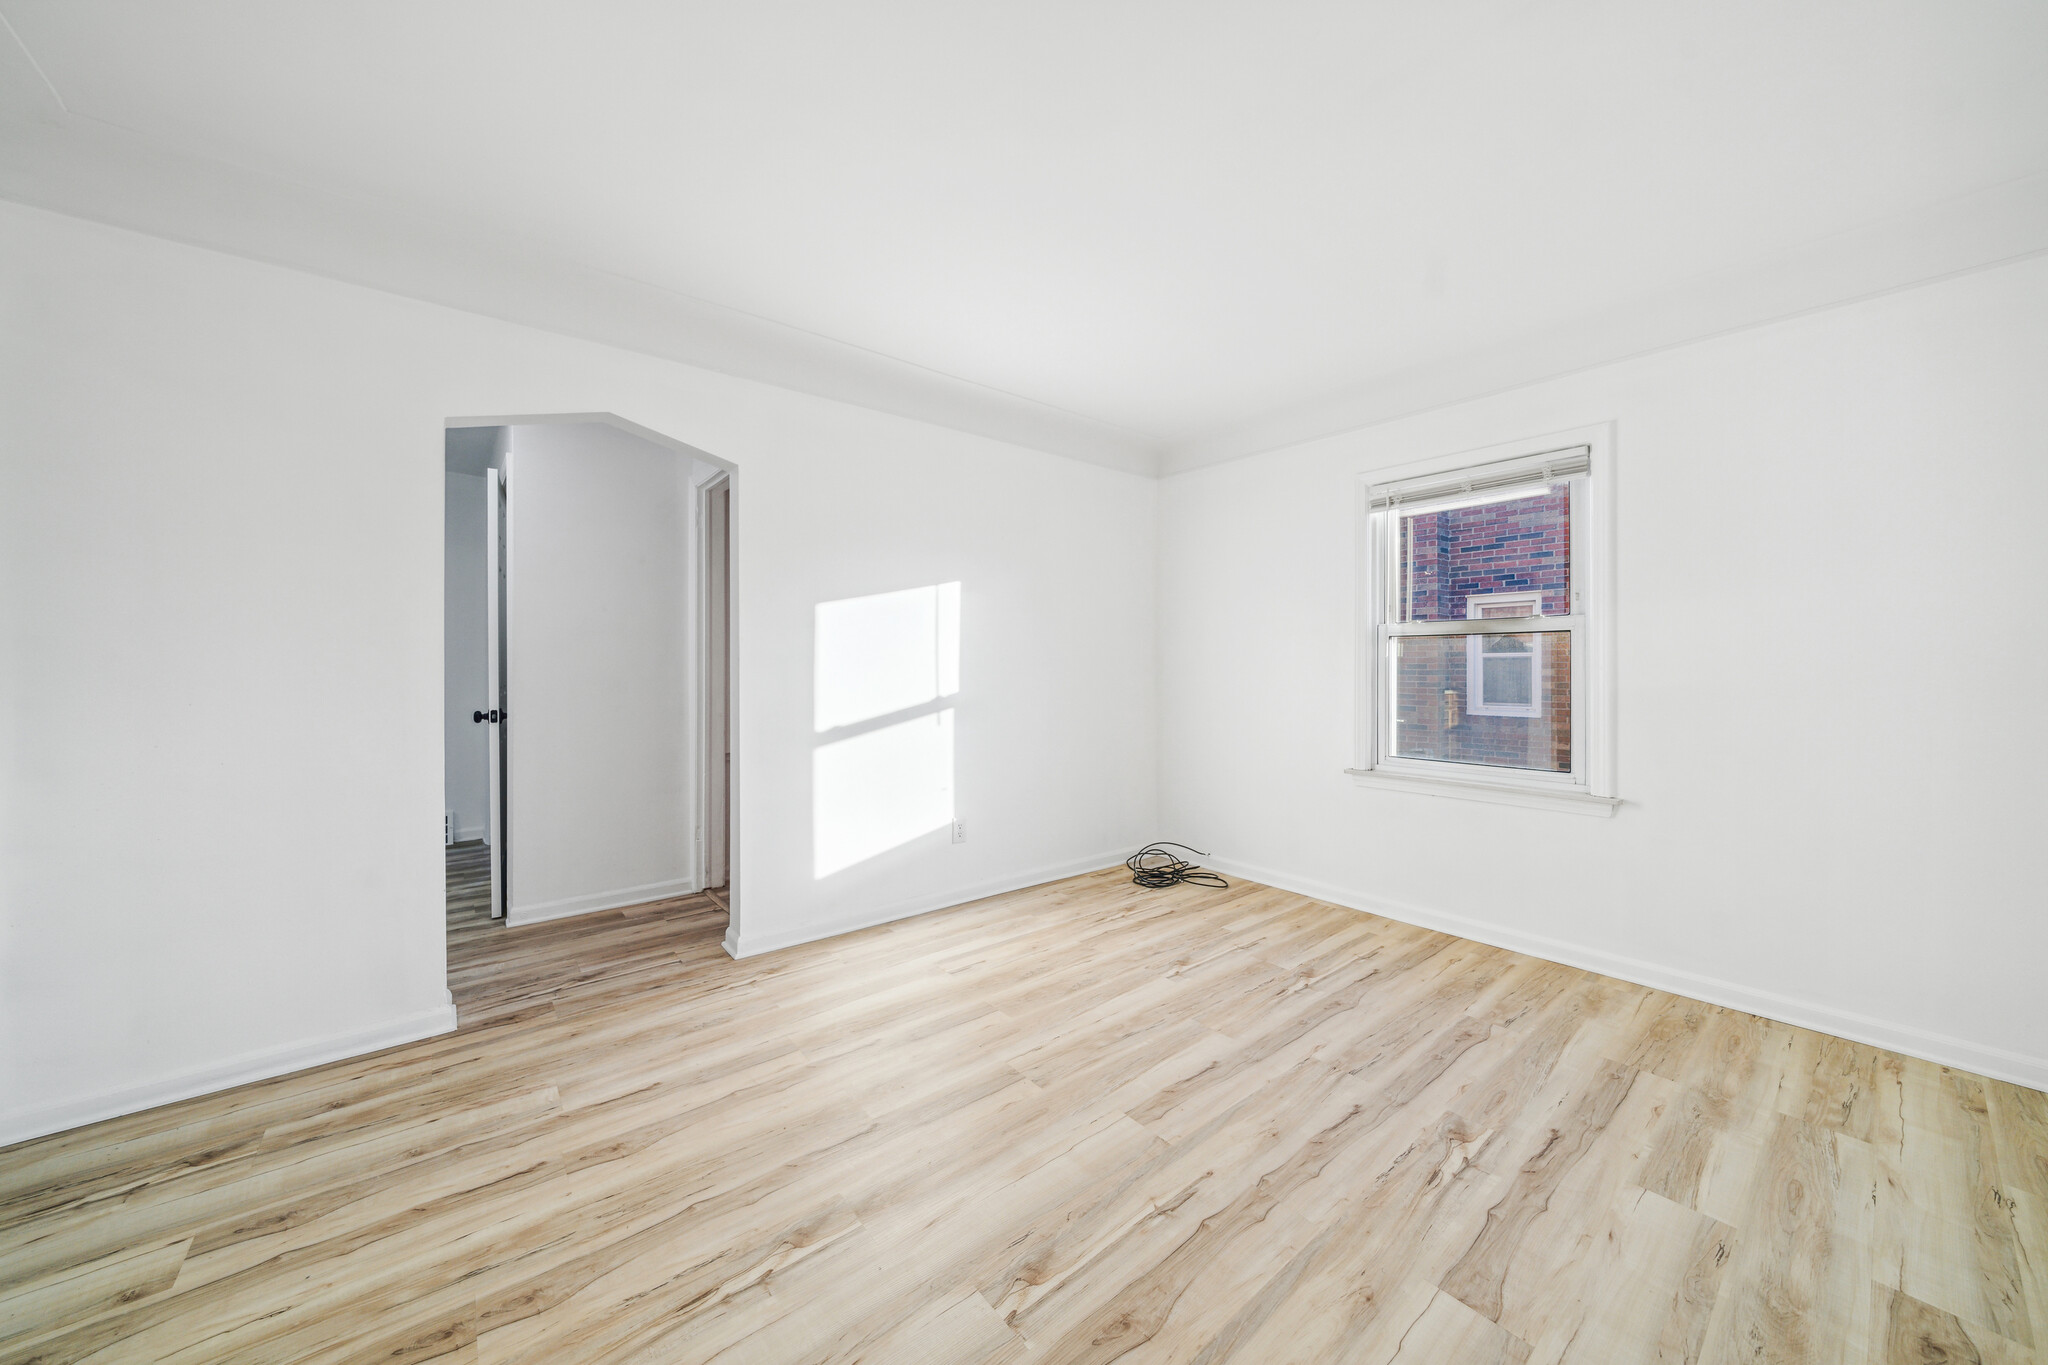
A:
x,y
598,635
494,688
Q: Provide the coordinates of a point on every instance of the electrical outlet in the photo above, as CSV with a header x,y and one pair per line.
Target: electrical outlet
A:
x,y
959,831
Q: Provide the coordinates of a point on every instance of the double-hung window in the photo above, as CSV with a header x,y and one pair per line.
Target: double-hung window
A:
x,y
1484,635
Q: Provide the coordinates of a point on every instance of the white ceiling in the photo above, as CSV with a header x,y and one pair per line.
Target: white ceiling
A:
x,y
1152,234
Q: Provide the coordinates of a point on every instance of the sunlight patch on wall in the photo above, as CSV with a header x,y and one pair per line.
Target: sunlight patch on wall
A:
x,y
886,653
887,666
880,790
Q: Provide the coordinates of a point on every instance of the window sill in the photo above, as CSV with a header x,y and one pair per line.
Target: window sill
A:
x,y
1499,793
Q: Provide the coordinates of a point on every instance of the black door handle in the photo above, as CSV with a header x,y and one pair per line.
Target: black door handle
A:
x,y
493,716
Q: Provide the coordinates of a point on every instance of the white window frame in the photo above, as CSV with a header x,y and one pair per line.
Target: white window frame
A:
x,y
1589,787
1475,654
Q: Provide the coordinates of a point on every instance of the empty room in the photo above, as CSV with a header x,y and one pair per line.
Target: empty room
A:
x,y
1052,683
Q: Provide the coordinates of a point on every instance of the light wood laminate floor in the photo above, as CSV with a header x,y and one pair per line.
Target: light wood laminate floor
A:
x,y
1083,1122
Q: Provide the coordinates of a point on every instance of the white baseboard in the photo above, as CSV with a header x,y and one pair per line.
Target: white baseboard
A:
x,y
465,834
1940,1048
751,945
39,1121
615,899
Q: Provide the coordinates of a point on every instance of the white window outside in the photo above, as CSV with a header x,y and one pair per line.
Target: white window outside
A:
x,y
1484,636
1503,673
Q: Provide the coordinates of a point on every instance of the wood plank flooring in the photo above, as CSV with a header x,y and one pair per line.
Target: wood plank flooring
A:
x,y
1079,1123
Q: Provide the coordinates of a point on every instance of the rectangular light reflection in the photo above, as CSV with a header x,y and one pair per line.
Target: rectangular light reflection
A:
x,y
881,789
886,653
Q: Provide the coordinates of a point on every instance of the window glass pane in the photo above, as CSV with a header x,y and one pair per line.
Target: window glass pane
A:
x,y
1507,681
1453,557
1457,700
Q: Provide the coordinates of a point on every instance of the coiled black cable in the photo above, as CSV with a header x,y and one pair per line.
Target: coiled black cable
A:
x,y
1152,866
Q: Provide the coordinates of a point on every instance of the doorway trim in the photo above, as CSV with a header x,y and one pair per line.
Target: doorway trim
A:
x,y
715,769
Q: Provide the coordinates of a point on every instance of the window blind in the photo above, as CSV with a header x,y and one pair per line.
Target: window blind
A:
x,y
1547,467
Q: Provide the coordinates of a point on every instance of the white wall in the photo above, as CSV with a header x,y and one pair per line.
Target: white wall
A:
x,y
1828,745
221,651
466,755
601,712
